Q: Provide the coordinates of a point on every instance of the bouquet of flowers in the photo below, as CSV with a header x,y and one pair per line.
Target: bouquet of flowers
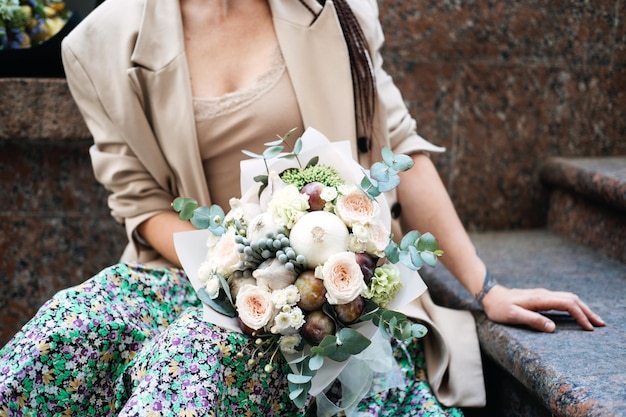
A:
x,y
26,23
304,261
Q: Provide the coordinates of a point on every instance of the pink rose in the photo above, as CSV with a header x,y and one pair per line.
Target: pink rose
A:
x,y
356,207
342,278
254,306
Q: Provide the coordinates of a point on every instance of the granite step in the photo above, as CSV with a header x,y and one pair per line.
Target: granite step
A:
x,y
588,201
571,372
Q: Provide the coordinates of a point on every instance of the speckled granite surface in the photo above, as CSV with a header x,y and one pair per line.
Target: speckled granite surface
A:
x,y
588,201
56,228
574,372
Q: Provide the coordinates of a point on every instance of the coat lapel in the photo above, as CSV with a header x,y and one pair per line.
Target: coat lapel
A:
x,y
161,69
319,66
323,87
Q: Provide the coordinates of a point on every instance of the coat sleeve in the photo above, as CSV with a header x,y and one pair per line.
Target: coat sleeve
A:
x,y
135,194
401,126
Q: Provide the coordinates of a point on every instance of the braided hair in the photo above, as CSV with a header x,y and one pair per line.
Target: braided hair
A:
x,y
364,84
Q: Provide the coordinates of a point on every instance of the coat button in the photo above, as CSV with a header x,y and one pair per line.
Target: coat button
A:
x,y
396,210
363,144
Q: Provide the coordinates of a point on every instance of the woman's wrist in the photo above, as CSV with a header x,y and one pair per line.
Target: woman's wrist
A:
x,y
488,284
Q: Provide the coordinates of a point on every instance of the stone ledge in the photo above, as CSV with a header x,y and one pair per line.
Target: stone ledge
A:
x,y
601,178
572,372
39,108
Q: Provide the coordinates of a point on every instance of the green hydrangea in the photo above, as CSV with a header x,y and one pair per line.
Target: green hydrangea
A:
x,y
318,173
384,285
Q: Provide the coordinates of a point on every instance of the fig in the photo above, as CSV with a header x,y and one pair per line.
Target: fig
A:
x,y
348,313
317,326
314,190
367,263
312,291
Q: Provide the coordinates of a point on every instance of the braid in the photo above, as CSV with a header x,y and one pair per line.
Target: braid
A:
x,y
363,81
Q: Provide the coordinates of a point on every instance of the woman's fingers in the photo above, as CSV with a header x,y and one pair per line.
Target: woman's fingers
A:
x,y
518,306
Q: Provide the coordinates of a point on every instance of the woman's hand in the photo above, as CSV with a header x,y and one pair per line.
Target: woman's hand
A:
x,y
520,306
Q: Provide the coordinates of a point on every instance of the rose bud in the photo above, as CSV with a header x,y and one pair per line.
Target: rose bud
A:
x,y
314,191
367,263
312,291
317,326
348,313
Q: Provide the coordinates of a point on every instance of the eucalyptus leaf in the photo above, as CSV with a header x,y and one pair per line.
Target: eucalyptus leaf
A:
x,y
299,379
379,172
316,362
221,304
297,147
294,394
390,184
187,211
252,154
392,252
409,239
276,142
402,162
429,258
427,242
416,259
313,162
297,360
272,152
180,202
352,341
387,156
405,259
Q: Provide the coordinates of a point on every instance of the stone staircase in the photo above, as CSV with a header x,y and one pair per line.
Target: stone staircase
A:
x,y
571,372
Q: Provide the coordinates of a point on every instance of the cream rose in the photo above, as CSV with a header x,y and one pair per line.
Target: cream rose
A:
x,y
342,278
223,256
255,306
356,207
379,238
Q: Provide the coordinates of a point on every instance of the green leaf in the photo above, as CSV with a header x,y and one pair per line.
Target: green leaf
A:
x,y
416,259
295,394
405,259
276,142
379,172
427,242
392,252
429,258
252,154
297,147
316,362
402,162
180,202
312,162
299,379
409,239
272,152
298,359
352,341
221,304
387,155
390,184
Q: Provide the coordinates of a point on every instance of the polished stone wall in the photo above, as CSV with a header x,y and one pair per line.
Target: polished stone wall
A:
x,y
505,84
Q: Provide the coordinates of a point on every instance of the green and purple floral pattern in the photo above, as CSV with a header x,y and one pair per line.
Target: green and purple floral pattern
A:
x,y
131,342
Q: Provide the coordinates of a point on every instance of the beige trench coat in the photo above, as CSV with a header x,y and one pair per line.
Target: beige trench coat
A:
x,y
126,68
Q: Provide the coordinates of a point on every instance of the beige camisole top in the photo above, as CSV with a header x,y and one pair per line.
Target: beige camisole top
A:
x,y
244,119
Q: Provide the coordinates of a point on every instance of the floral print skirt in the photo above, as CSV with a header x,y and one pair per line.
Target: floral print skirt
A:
x,y
131,342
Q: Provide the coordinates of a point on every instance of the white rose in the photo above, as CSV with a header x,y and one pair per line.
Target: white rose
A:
x,y
254,306
378,241
356,207
342,278
224,256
